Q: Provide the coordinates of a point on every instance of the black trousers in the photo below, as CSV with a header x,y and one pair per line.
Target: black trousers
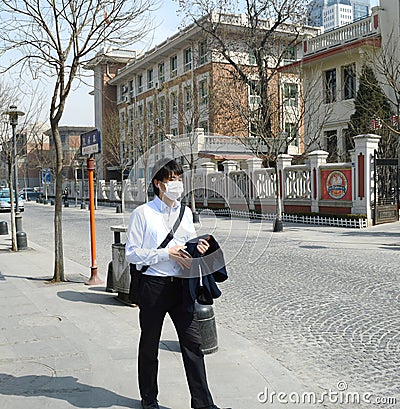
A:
x,y
159,296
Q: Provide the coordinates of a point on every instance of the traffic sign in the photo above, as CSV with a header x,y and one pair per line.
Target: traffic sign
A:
x,y
46,176
91,142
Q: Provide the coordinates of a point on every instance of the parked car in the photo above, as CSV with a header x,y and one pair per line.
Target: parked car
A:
x,y
5,202
30,193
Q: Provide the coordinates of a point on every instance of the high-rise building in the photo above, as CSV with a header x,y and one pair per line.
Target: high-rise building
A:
x,y
361,8
315,9
335,13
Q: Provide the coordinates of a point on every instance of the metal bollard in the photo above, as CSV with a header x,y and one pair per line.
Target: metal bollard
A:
x,y
208,328
110,279
118,209
18,221
3,228
83,206
22,241
196,217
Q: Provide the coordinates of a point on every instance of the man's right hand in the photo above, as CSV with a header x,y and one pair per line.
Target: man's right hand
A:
x,y
176,255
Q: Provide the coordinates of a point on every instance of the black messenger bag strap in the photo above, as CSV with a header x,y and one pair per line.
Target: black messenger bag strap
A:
x,y
135,274
171,233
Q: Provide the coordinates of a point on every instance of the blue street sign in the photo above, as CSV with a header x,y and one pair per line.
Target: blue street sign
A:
x,y
46,176
90,142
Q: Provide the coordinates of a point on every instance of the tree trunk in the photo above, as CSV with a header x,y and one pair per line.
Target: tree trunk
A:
x,y
122,193
59,274
192,195
278,221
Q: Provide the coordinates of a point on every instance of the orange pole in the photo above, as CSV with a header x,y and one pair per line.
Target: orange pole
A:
x,y
94,278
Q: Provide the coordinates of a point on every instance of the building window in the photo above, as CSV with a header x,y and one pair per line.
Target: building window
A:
x,y
289,55
252,57
131,89
291,95
131,114
203,52
187,59
140,114
174,103
174,131
331,144
187,95
123,91
204,125
188,129
162,111
254,93
150,79
291,132
349,81
161,74
203,92
174,66
330,86
150,111
140,83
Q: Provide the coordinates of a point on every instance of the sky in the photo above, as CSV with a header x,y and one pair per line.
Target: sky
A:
x,y
79,110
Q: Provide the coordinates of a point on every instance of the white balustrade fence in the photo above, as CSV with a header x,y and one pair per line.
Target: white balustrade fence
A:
x,y
304,189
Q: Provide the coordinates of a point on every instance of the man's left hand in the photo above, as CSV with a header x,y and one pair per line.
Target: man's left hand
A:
x,y
202,246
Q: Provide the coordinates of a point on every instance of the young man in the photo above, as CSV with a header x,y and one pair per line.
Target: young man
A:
x,y
161,285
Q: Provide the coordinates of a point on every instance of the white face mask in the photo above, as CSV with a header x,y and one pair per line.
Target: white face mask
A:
x,y
173,189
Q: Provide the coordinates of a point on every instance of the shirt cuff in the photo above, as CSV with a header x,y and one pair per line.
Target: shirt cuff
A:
x,y
163,254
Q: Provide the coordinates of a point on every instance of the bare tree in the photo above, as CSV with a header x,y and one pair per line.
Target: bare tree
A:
x,y
188,113
116,140
255,44
7,151
53,39
385,62
15,155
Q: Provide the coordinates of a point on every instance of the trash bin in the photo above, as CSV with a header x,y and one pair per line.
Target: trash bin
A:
x,y
120,269
208,328
22,241
3,228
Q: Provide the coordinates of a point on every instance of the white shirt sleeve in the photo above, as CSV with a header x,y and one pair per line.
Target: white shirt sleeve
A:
x,y
136,247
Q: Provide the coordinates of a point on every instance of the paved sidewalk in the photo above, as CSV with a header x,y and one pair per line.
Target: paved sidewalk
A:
x,y
69,345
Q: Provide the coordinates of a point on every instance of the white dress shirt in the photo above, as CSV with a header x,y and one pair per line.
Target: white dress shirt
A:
x,y
148,226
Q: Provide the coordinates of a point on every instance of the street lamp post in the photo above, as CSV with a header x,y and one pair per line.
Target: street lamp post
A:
x,y
13,115
76,167
278,222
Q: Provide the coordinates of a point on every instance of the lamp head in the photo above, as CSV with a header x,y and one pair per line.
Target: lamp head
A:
x,y
13,114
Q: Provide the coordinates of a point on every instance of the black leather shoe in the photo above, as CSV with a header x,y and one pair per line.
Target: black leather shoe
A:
x,y
150,405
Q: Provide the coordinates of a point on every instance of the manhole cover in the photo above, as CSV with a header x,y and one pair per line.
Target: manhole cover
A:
x,y
40,320
23,378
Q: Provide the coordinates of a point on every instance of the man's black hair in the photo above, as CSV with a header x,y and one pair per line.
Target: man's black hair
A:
x,y
164,169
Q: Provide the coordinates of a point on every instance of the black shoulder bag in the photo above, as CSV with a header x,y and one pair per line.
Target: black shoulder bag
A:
x,y
136,274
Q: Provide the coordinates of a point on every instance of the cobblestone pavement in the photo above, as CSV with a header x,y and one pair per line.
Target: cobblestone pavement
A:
x,y
323,301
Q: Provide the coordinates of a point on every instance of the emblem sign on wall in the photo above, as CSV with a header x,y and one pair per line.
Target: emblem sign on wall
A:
x,y
336,184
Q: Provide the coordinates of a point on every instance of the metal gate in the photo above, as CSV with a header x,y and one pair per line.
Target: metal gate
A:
x,y
386,189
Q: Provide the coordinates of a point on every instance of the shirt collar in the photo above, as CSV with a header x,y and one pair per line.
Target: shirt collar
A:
x,y
163,207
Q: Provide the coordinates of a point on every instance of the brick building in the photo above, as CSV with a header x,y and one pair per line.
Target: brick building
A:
x,y
183,84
